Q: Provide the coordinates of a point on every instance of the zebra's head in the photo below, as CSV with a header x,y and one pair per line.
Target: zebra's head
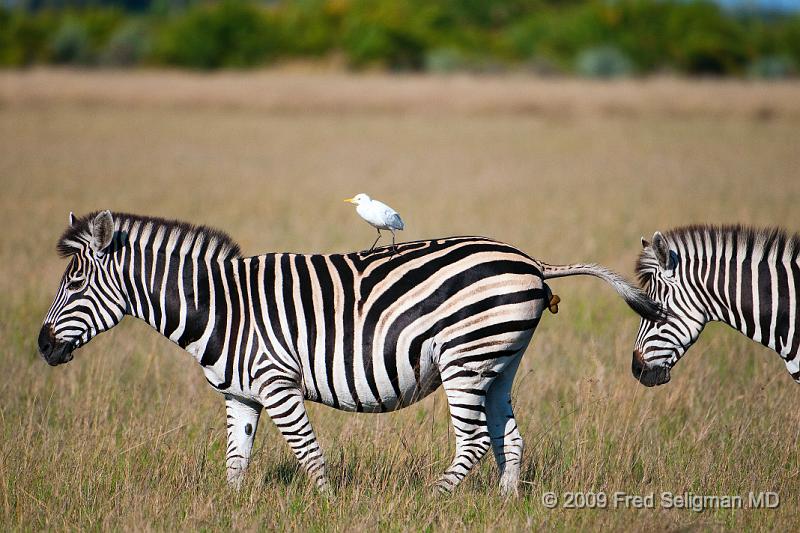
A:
x,y
89,299
659,345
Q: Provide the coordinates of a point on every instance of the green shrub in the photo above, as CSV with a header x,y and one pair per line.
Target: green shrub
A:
x,y
230,34
491,15
707,54
694,37
603,62
128,45
80,36
444,60
24,38
557,35
70,43
704,40
100,24
638,29
772,67
389,33
308,27
789,39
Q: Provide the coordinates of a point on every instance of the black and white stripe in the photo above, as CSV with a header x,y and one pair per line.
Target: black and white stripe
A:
x,y
360,332
747,278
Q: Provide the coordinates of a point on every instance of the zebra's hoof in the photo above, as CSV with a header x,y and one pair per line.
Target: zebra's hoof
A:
x,y
509,488
325,491
443,487
235,482
234,473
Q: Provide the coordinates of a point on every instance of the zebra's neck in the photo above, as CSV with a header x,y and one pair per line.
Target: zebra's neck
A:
x,y
177,281
746,283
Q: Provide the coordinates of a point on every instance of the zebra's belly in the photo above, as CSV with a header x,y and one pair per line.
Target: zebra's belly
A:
x,y
389,399
371,389
409,393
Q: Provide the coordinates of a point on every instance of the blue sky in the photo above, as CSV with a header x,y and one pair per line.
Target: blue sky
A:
x,y
784,5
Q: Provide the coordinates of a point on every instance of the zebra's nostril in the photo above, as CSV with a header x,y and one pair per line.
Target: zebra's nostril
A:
x,y
637,366
46,340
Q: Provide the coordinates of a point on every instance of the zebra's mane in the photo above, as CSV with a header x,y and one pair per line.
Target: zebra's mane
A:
x,y
757,241
226,247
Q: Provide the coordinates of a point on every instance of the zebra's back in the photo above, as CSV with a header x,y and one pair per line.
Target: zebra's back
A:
x,y
372,332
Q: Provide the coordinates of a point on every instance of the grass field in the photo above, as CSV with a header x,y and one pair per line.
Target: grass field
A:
x,y
129,435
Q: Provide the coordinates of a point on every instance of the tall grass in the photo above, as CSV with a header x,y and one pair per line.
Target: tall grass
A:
x,y
129,435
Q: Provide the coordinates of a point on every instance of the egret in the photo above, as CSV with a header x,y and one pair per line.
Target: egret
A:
x,y
378,215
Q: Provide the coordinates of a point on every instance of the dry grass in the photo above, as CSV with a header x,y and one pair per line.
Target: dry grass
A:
x,y
298,90
130,436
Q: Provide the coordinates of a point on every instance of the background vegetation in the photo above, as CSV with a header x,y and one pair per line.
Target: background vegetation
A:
x,y
129,435
595,38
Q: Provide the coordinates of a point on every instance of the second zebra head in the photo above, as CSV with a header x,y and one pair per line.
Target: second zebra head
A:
x,y
659,345
741,276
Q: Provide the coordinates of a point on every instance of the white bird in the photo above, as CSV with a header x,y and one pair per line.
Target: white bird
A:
x,y
378,215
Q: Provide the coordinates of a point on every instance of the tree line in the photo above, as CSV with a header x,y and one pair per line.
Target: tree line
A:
x,y
598,38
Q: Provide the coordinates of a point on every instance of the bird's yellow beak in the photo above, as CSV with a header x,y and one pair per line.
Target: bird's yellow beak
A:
x,y
351,200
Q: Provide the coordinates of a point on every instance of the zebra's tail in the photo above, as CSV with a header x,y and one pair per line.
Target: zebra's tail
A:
x,y
642,304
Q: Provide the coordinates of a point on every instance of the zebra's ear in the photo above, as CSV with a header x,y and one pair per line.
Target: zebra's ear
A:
x,y
661,250
645,243
102,230
71,218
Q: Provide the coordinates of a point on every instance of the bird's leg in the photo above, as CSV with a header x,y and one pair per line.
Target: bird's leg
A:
x,y
374,243
394,246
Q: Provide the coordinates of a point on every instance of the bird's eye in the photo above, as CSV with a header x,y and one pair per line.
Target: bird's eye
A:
x,y
75,284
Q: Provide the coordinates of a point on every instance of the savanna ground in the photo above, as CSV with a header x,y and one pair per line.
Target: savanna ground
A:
x,y
129,435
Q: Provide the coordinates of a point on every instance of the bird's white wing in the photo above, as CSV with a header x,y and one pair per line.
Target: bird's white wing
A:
x,y
389,215
395,222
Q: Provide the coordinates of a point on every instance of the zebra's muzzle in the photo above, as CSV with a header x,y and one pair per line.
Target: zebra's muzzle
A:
x,y
649,376
54,351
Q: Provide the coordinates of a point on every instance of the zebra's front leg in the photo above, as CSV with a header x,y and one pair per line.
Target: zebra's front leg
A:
x,y
242,422
285,405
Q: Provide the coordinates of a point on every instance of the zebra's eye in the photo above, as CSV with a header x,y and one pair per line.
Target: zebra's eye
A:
x,y
75,284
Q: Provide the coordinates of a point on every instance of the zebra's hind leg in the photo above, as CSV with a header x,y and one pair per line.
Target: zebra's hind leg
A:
x,y
242,422
506,440
466,397
284,404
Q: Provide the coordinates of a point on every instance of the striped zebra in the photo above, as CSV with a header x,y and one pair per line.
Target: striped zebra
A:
x,y
367,333
747,278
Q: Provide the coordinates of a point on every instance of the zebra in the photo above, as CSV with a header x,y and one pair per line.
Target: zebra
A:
x,y
365,333
745,277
